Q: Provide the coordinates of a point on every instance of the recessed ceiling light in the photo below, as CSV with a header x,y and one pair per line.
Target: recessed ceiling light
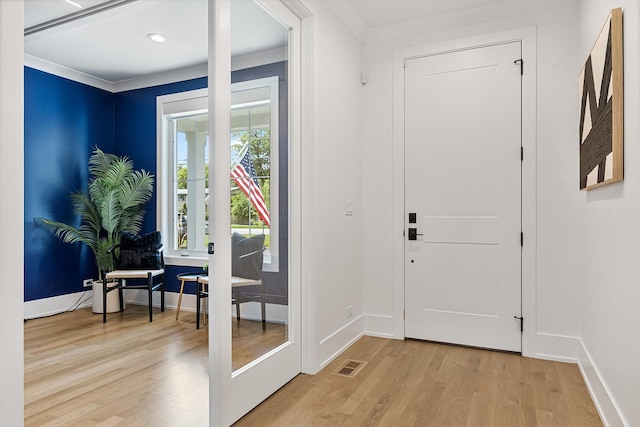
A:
x,y
75,3
158,38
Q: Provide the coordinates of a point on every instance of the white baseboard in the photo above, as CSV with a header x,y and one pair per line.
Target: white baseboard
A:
x,y
275,313
140,297
55,305
571,349
333,345
607,408
560,348
378,326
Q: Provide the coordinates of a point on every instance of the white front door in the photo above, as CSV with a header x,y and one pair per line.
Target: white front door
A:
x,y
463,185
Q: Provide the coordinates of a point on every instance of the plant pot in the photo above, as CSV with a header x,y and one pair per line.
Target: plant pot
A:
x,y
113,299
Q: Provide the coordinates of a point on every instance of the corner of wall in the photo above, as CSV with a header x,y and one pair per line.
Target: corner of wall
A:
x,y
378,326
335,344
349,17
560,348
600,394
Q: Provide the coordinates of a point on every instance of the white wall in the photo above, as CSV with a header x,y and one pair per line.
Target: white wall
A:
x,y
11,191
335,166
557,258
610,248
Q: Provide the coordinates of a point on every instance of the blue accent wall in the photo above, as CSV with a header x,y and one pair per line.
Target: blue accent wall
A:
x,y
135,137
135,129
64,120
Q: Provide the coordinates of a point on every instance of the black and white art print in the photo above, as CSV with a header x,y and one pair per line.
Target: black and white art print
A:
x,y
601,108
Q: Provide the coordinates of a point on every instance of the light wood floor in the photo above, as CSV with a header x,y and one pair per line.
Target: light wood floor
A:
x,y
412,383
249,341
129,372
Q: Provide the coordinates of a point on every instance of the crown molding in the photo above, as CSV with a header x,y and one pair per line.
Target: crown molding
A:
x,y
67,73
156,79
162,78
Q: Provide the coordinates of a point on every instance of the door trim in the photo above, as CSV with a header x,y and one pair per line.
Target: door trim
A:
x,y
527,35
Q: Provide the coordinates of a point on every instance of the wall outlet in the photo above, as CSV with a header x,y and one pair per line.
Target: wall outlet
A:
x,y
87,282
349,311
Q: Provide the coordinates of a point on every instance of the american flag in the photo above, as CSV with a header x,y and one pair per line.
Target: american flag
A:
x,y
244,174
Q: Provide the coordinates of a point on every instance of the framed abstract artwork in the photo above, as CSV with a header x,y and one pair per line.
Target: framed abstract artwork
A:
x,y
601,108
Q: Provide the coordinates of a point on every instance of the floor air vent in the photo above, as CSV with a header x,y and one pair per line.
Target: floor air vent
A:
x,y
350,368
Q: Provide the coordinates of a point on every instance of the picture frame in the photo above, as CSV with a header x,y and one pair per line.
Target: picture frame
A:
x,y
601,96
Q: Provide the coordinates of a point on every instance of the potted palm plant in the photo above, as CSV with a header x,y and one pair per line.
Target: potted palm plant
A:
x,y
114,204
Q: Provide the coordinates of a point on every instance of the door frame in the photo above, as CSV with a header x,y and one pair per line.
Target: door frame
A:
x,y
527,36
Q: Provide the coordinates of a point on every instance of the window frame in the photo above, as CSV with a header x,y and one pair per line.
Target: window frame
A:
x,y
195,101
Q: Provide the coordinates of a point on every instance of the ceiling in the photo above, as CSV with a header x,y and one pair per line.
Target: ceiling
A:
x,y
378,13
111,44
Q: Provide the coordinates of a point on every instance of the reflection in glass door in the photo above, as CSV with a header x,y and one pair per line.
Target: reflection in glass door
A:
x,y
258,200
259,216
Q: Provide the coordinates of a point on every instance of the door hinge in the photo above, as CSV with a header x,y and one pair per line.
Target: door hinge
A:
x,y
521,238
520,62
521,154
521,322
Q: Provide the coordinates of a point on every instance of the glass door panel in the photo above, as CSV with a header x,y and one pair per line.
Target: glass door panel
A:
x,y
259,217
255,215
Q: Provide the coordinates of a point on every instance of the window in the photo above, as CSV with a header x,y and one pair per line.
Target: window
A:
x,y
183,170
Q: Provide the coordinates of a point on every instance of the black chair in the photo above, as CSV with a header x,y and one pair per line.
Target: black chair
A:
x,y
140,260
247,256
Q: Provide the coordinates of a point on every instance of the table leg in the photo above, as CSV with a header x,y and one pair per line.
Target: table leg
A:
x,y
206,303
179,299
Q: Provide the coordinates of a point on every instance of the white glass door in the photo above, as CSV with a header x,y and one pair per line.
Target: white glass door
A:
x,y
254,292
